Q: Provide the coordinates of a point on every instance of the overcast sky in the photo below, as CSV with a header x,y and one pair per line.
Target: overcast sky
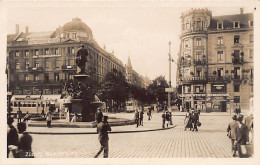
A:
x,y
141,31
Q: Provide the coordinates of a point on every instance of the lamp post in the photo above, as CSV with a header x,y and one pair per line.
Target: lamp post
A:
x,y
170,60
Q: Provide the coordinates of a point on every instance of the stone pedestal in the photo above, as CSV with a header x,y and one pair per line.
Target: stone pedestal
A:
x,y
82,105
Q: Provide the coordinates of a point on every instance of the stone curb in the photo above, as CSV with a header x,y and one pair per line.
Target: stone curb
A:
x,y
115,132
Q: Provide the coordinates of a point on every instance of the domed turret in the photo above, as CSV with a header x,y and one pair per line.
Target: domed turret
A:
x,y
77,25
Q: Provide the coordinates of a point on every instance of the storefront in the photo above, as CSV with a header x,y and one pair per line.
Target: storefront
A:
x,y
217,100
199,101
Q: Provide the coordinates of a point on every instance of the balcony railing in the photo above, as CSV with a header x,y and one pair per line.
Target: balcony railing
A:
x,y
219,78
69,67
199,62
238,60
193,79
35,69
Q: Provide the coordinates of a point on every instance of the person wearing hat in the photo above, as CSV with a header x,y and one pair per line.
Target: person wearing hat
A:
x,y
194,119
102,130
163,118
12,137
99,116
232,134
136,117
242,137
81,58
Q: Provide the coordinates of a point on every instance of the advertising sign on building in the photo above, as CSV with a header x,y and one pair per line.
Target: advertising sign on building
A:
x,y
18,91
27,91
219,88
57,90
37,90
47,90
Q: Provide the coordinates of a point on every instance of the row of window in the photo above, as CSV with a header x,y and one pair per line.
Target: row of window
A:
x,y
220,55
220,40
201,88
36,77
37,52
236,24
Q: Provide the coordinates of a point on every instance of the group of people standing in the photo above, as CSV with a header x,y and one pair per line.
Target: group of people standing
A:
x,y
139,117
166,118
18,143
240,132
191,120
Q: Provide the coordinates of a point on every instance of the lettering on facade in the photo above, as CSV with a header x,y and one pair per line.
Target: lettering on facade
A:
x,y
43,41
46,56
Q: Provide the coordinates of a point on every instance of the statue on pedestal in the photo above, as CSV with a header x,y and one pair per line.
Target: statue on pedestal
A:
x,y
81,59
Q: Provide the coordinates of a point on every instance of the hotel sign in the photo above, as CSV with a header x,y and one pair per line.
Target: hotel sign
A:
x,y
43,41
47,55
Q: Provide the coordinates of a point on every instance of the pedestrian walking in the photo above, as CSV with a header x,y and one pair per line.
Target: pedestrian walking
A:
x,y
149,113
26,117
141,117
194,119
12,137
163,119
167,118
232,134
237,111
242,138
170,114
98,116
24,142
136,118
187,120
19,115
49,118
102,129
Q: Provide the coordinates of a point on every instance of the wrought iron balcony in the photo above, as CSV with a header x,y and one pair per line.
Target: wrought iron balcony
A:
x,y
69,67
193,79
199,62
35,69
219,78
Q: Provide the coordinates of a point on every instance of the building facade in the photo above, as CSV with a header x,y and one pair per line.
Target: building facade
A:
x,y
215,63
40,62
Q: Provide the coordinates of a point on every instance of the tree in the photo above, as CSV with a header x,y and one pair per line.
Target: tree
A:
x,y
114,89
156,90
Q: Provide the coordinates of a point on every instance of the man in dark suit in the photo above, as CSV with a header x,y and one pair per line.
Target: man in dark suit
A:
x,y
232,133
194,119
242,137
102,129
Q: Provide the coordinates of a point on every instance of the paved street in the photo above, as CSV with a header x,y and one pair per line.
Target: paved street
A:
x,y
210,142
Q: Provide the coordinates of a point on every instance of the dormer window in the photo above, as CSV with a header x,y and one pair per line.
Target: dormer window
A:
x,y
251,23
236,24
220,25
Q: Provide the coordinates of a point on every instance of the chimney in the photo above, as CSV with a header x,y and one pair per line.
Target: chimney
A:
x,y
17,28
26,29
241,11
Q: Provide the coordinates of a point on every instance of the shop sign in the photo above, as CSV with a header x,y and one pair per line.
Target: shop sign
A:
x,y
187,99
201,94
47,56
37,90
47,91
219,99
27,91
218,88
18,91
186,95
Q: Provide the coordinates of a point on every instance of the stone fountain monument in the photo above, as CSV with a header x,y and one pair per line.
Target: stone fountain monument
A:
x,y
80,95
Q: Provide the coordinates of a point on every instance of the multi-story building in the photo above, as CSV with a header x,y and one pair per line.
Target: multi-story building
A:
x,y
215,65
39,62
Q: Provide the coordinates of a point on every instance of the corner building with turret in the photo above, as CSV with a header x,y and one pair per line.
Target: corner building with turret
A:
x,y
215,61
